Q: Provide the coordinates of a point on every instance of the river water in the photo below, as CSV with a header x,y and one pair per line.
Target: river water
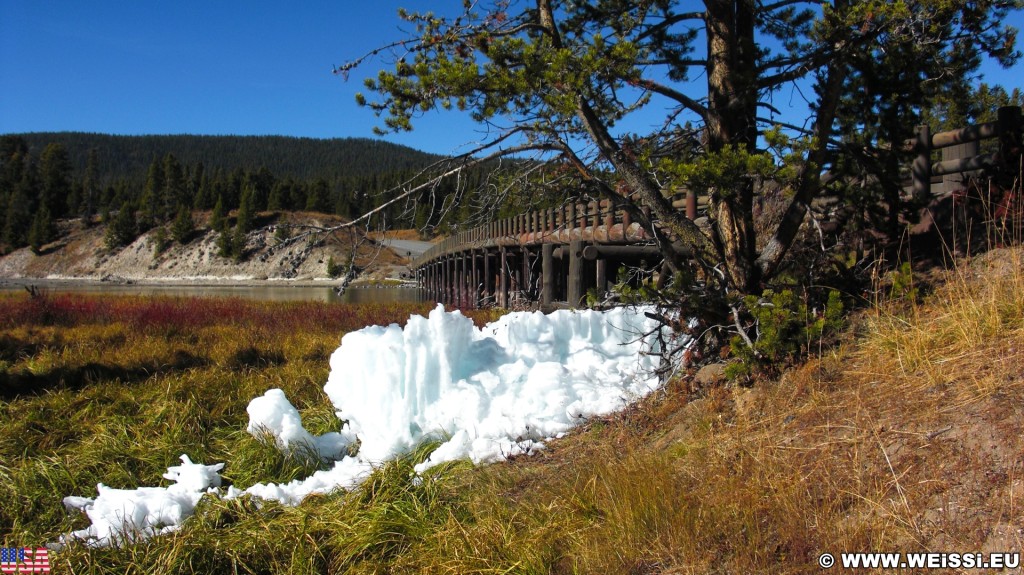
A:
x,y
353,295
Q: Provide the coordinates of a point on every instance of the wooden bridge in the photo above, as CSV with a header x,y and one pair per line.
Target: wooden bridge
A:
x,y
555,256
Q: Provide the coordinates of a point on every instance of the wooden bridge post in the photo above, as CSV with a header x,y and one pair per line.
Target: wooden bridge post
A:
x,y
547,293
462,298
488,296
601,271
451,291
474,281
575,285
428,280
527,275
503,278
454,282
442,282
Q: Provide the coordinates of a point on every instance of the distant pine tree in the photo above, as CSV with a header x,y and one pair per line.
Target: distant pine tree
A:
x,y
124,229
152,196
55,178
42,230
319,198
224,238
90,188
183,226
175,190
20,209
246,211
217,218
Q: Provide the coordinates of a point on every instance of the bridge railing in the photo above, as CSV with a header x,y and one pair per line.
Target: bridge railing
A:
x,y
535,225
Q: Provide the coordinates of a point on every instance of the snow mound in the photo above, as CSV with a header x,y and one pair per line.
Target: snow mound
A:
x,y
487,394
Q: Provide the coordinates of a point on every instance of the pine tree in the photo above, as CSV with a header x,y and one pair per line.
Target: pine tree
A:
x,y
41,231
205,198
238,241
124,229
175,191
74,200
183,226
278,195
246,211
224,239
20,207
319,198
90,187
217,217
152,196
196,184
55,178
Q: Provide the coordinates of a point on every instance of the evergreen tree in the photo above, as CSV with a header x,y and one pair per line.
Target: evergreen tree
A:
x,y
183,226
238,241
278,195
74,200
217,218
297,196
13,160
124,229
90,187
261,183
153,196
204,198
319,198
232,192
175,190
246,211
41,231
224,239
55,176
21,205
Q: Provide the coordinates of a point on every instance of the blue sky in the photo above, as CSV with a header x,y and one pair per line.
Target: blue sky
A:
x,y
211,68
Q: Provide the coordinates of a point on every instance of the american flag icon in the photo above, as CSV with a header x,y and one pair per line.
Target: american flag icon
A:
x,y
24,560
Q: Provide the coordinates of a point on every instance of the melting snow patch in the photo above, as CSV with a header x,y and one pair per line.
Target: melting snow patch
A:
x,y
122,515
489,393
486,393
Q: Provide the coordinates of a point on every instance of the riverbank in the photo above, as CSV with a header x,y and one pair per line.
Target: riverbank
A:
x,y
276,253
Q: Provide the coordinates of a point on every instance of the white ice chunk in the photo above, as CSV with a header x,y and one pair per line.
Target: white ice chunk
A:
x,y
122,515
274,414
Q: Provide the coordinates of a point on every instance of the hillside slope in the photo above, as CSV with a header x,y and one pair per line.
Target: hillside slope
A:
x,y
81,254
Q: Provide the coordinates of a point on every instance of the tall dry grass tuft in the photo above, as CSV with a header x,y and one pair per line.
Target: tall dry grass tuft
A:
x,y
971,328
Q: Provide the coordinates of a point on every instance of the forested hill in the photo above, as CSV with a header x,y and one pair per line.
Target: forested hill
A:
x,y
128,158
150,180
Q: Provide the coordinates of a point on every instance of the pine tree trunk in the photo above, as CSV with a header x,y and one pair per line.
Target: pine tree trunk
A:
x,y
732,122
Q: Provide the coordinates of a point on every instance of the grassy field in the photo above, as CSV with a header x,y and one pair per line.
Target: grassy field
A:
x,y
907,436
